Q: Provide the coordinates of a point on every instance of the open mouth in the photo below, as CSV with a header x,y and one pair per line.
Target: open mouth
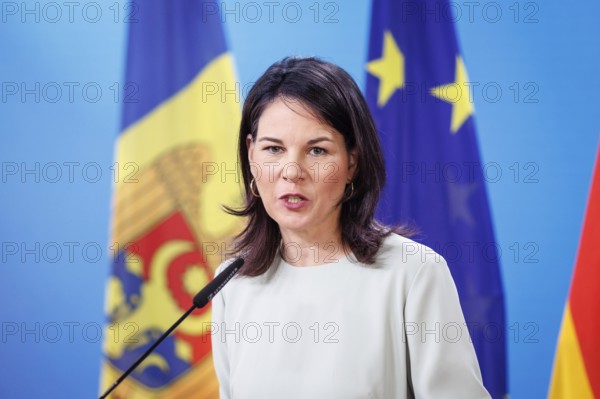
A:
x,y
293,199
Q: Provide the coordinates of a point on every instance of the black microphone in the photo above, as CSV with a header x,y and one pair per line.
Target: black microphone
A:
x,y
200,300
207,293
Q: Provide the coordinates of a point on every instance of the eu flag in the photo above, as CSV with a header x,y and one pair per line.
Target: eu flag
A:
x,y
419,93
175,166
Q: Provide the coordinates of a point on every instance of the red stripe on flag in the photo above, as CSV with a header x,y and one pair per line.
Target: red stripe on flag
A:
x,y
585,289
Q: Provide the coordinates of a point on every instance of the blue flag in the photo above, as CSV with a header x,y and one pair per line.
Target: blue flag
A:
x,y
419,93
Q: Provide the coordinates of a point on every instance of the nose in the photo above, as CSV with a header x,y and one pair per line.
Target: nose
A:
x,y
292,172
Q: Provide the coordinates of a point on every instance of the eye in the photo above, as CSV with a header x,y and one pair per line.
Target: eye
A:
x,y
273,149
318,151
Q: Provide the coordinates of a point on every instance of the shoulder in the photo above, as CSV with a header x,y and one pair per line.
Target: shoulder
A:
x,y
221,295
404,257
224,265
398,250
243,282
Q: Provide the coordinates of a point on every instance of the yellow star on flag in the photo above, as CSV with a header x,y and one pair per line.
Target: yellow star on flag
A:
x,y
389,69
457,94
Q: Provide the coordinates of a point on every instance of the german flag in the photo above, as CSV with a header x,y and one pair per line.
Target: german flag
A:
x,y
176,164
577,363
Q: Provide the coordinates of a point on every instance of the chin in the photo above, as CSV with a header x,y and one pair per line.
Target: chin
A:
x,y
293,223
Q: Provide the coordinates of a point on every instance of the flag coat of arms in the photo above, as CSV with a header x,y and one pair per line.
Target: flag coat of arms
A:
x,y
175,166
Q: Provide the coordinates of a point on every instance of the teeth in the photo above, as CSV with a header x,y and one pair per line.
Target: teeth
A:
x,y
293,199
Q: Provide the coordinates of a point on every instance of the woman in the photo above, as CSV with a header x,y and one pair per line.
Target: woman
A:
x,y
330,303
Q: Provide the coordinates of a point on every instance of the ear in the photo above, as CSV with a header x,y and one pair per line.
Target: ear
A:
x,y
352,163
250,147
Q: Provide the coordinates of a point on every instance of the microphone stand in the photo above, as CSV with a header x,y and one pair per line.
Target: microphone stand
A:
x,y
200,300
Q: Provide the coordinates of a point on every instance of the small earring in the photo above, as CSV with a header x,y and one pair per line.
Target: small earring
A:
x,y
252,189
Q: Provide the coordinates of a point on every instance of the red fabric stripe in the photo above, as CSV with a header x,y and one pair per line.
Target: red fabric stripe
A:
x,y
585,289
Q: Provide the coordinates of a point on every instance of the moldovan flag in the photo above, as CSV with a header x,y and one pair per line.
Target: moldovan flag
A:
x,y
420,97
175,165
577,363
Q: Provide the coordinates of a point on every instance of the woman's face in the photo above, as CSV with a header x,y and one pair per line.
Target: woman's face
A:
x,y
301,167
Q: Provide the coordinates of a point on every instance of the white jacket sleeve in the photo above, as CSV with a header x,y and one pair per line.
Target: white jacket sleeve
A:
x,y
219,346
441,357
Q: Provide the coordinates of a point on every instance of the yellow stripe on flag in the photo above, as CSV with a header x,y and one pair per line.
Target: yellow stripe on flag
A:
x,y
195,116
569,378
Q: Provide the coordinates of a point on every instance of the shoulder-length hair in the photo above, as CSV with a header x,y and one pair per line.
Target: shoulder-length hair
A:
x,y
332,96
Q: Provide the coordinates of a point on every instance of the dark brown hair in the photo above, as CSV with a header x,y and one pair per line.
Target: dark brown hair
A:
x,y
332,96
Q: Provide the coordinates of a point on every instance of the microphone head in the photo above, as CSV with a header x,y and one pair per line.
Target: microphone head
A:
x,y
207,293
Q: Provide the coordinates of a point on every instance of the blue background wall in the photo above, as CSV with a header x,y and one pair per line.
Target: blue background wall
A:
x,y
541,133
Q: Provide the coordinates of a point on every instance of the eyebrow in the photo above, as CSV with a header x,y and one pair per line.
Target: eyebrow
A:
x,y
319,139
271,139
310,142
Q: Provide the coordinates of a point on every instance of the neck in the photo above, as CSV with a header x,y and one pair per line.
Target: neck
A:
x,y
301,250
